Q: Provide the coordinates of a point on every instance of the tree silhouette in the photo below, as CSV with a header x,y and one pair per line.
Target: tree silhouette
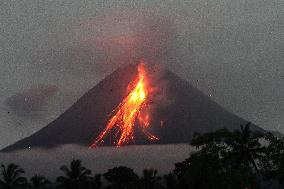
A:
x,y
244,155
150,179
121,178
11,177
76,177
171,181
274,158
96,182
202,170
239,153
246,149
40,182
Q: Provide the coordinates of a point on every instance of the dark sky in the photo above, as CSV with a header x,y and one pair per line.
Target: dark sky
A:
x,y
52,52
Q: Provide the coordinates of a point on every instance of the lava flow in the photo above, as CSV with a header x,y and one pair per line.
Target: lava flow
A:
x,y
127,112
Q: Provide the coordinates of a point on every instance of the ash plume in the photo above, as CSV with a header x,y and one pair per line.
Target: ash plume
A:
x,y
116,38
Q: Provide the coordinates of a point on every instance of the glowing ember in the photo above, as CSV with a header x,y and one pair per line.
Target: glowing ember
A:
x,y
126,113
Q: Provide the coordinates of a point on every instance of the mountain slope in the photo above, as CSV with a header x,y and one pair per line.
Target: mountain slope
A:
x,y
188,111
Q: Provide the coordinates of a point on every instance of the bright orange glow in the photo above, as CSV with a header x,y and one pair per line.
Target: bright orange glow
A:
x,y
126,113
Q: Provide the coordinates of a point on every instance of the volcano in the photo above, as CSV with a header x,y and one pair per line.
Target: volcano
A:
x,y
186,111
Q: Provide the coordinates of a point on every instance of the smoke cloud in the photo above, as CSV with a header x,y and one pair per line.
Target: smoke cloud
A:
x,y
115,38
31,102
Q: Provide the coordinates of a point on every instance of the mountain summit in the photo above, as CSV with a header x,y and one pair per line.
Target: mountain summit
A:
x,y
186,111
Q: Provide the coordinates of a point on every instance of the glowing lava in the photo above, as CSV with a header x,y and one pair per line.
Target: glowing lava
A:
x,y
127,112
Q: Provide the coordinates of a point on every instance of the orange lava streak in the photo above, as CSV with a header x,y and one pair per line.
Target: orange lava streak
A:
x,y
127,112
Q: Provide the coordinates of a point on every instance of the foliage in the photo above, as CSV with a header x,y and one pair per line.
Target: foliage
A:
x,y
39,182
121,178
150,179
96,182
196,173
274,159
232,155
75,177
171,181
12,177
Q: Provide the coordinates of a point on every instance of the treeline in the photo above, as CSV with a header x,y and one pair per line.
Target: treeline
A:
x,y
224,159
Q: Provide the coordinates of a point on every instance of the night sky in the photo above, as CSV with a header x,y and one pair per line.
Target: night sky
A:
x,y
52,52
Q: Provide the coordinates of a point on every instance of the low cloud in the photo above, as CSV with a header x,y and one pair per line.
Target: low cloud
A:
x,y
47,162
